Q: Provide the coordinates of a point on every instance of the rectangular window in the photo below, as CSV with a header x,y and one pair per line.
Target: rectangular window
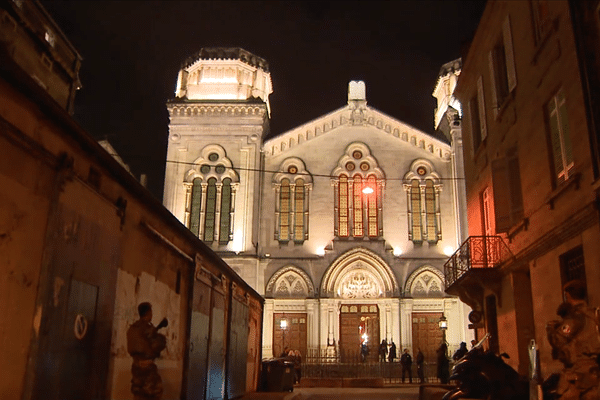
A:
x,y
211,203
562,153
541,18
572,266
502,68
478,117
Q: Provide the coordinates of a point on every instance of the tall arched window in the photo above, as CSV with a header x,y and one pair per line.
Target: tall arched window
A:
x,y
211,186
343,214
196,205
284,210
359,189
292,186
422,185
358,207
211,205
430,211
224,232
415,211
299,198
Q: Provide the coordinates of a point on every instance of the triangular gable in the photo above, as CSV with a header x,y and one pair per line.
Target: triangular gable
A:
x,y
352,115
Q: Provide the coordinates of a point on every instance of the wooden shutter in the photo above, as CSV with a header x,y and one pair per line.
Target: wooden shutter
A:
x,y
299,211
481,108
508,200
495,104
509,55
501,195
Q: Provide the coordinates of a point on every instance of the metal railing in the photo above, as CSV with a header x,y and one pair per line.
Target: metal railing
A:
x,y
476,252
349,365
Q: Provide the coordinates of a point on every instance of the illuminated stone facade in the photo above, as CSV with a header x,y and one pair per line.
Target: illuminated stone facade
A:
x,y
354,210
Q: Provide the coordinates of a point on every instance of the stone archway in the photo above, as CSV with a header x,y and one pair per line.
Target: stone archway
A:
x,y
359,273
360,282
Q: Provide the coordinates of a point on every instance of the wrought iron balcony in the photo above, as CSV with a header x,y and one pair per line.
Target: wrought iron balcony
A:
x,y
477,252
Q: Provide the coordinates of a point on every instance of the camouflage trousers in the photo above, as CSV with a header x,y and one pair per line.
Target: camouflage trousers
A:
x,y
580,382
145,382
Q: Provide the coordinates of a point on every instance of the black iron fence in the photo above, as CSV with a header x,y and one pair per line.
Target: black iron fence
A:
x,y
350,365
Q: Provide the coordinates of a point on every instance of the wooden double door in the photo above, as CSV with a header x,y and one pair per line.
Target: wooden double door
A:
x,y
426,334
293,336
358,323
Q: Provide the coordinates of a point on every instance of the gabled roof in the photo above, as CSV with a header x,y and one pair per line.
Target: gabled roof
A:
x,y
357,113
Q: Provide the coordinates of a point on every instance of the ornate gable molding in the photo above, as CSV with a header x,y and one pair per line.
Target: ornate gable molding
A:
x,y
290,281
362,268
351,115
431,280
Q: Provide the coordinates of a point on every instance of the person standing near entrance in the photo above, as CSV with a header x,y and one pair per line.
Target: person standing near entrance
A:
x,y
420,361
144,344
406,361
392,355
383,350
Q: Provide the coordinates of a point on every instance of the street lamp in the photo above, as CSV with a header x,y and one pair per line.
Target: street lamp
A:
x,y
443,324
283,326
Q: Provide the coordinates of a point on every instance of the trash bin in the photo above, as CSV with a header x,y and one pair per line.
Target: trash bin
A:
x,y
277,375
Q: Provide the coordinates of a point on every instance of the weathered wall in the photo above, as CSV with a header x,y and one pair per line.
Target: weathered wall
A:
x,y
81,245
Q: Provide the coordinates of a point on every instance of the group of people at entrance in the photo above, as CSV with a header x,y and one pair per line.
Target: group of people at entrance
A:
x,y
384,353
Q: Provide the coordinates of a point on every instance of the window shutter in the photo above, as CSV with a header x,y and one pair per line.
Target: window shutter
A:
x,y
516,196
493,81
481,108
501,195
509,55
473,128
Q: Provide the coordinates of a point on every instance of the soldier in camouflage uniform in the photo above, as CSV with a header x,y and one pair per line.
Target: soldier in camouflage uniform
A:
x,y
144,344
575,343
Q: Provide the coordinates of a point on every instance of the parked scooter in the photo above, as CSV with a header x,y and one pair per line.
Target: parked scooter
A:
x,y
484,375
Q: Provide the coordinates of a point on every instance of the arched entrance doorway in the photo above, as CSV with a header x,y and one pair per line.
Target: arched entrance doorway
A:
x,y
362,287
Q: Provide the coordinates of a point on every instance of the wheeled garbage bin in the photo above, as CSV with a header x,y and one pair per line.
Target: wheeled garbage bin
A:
x,y
277,375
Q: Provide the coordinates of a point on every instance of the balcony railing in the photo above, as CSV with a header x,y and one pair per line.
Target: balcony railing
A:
x,y
476,252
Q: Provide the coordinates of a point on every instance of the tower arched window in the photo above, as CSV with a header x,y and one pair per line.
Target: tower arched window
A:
x,y
292,187
358,194
211,206
423,187
211,186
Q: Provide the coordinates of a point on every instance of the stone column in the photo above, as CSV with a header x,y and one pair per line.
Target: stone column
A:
x,y
267,346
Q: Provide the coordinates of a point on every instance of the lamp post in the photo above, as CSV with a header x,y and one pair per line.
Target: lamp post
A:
x,y
443,324
283,326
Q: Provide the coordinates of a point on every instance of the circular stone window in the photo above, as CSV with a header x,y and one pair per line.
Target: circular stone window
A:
x,y
357,154
350,166
213,156
205,169
364,166
219,169
421,171
292,169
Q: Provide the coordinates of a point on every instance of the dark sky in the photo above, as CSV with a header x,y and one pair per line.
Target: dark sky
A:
x,y
132,51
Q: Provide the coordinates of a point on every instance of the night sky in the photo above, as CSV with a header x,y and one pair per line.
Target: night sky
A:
x,y
132,51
